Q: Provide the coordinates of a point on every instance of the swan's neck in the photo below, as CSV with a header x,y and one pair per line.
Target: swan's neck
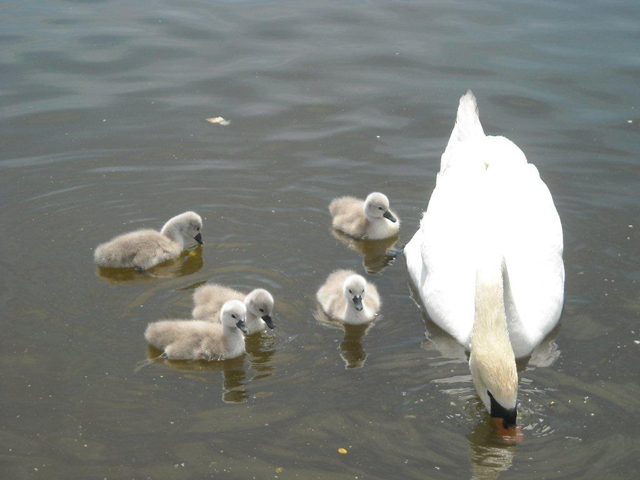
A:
x,y
490,323
492,360
171,231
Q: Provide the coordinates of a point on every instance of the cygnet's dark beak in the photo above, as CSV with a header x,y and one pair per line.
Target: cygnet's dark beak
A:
x,y
198,238
267,319
357,302
242,326
389,216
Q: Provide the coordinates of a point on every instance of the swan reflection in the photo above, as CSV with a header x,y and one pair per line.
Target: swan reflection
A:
x,y
489,454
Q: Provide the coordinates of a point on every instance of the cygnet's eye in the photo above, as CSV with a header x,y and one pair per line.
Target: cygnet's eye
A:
x,y
380,208
350,292
262,310
233,316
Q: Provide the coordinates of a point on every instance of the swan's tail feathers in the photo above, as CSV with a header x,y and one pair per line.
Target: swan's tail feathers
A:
x,y
468,121
467,126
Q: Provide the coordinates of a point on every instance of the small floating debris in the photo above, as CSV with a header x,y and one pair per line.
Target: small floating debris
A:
x,y
218,120
342,451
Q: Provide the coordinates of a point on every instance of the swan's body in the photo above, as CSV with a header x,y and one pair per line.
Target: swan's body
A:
x,y
209,299
368,219
144,249
199,339
348,297
487,259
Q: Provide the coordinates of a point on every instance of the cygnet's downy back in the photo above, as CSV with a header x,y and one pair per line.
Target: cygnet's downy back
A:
x,y
144,249
369,219
201,340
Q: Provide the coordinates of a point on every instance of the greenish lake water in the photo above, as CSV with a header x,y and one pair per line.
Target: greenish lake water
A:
x,y
102,130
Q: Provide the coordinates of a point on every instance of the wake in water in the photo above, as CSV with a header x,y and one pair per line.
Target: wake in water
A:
x,y
144,363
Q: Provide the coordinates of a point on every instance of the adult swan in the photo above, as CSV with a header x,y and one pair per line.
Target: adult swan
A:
x,y
487,259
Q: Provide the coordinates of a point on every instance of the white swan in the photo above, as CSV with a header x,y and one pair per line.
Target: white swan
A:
x,y
208,300
199,339
348,297
370,219
487,259
144,249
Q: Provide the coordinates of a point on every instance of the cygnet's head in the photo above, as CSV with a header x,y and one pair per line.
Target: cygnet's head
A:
x,y
233,314
260,303
188,225
376,205
355,289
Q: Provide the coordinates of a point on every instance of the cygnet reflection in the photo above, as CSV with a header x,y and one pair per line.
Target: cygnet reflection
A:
x,y
188,263
352,351
375,256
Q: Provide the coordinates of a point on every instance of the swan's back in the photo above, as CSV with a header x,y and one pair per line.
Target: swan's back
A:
x,y
488,197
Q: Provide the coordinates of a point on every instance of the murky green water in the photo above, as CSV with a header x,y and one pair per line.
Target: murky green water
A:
x,y
102,130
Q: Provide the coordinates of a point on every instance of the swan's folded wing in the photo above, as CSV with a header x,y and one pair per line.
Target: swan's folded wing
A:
x,y
532,249
444,272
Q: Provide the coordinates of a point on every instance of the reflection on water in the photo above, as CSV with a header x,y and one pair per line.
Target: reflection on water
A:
x,y
234,373
260,349
189,262
488,453
352,350
374,252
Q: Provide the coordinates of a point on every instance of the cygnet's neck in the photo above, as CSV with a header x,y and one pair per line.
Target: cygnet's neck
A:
x,y
254,323
171,231
234,340
351,315
380,227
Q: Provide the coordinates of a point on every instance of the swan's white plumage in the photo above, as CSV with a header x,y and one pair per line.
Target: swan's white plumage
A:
x,y
489,201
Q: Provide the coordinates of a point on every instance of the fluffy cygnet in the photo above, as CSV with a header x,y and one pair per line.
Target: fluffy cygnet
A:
x,y
348,297
371,219
201,340
208,300
144,249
